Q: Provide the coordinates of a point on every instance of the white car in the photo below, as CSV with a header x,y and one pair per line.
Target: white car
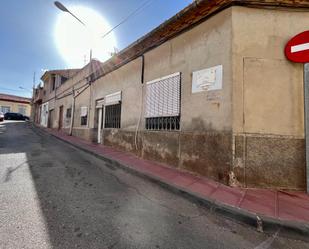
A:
x,y
1,116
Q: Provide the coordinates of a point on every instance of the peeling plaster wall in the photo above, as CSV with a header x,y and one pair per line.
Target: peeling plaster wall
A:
x,y
204,46
126,79
268,116
251,131
203,145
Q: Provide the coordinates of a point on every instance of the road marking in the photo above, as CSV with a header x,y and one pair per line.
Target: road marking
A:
x,y
300,47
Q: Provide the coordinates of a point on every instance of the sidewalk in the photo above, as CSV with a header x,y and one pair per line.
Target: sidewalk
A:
x,y
287,210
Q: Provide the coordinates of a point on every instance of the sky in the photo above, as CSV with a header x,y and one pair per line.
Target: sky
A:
x,y
30,36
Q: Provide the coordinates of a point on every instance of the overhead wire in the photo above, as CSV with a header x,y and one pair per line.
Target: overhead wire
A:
x,y
133,13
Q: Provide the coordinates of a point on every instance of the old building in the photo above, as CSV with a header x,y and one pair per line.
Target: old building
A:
x,y
12,103
45,97
209,91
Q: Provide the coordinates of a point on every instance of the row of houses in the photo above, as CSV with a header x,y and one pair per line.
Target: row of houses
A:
x,y
209,91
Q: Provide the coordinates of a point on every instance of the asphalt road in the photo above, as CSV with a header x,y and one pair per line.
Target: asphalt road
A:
x,y
53,195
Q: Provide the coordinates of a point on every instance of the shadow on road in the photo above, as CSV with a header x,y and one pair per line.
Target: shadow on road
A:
x,y
71,188
88,205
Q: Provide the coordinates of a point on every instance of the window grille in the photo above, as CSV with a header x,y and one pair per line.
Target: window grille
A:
x,y
112,116
83,115
163,123
83,120
162,111
69,113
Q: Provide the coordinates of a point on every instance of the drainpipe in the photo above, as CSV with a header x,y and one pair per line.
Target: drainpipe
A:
x,y
306,102
90,90
72,111
142,101
143,69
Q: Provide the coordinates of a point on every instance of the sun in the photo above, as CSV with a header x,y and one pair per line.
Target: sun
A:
x,y
74,41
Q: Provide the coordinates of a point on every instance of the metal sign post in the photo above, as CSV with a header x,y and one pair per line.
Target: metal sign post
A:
x,y
306,102
297,50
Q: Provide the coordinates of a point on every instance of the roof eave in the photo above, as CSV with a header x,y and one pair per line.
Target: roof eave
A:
x,y
206,9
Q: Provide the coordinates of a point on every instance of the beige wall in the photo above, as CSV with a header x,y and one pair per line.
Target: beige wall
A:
x,y
128,80
61,96
204,46
268,109
267,89
253,126
14,106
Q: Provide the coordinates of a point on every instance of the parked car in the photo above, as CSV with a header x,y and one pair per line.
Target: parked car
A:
x,y
15,116
1,116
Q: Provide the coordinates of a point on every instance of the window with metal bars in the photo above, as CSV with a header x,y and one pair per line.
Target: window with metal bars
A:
x,y
112,116
162,110
163,123
69,113
83,120
53,82
83,115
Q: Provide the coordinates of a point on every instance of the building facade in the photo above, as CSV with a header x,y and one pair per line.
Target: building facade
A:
x,y
209,91
12,103
45,97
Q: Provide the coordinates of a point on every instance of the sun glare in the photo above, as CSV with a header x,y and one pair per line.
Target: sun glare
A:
x,y
74,41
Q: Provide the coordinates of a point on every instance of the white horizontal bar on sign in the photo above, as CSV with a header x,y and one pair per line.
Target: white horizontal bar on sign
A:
x,y
163,78
300,47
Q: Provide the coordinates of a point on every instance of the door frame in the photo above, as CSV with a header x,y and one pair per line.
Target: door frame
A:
x,y
50,118
60,119
100,110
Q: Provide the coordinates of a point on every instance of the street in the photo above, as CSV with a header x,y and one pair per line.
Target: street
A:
x,y
53,195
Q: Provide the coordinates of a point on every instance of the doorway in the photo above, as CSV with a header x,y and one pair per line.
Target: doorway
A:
x,y
60,120
99,119
50,119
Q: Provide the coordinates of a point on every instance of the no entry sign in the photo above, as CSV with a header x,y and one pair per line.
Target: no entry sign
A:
x,y
297,49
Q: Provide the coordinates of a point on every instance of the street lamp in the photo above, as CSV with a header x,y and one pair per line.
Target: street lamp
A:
x,y
61,7
64,9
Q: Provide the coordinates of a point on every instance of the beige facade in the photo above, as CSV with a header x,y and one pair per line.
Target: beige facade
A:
x,y
249,132
268,113
18,107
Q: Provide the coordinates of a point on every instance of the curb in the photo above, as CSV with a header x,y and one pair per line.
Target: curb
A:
x,y
290,229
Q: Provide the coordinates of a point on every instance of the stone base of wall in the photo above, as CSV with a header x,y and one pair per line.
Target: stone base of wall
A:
x,y
209,154
270,162
65,130
84,133
256,160
123,140
206,154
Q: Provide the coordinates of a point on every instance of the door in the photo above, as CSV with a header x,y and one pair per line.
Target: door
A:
x,y
50,119
100,124
99,118
60,120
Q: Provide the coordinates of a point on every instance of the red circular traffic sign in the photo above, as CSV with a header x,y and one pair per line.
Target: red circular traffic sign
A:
x,y
297,49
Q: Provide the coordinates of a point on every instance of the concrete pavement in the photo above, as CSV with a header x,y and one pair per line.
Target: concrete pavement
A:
x,y
287,210
53,195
